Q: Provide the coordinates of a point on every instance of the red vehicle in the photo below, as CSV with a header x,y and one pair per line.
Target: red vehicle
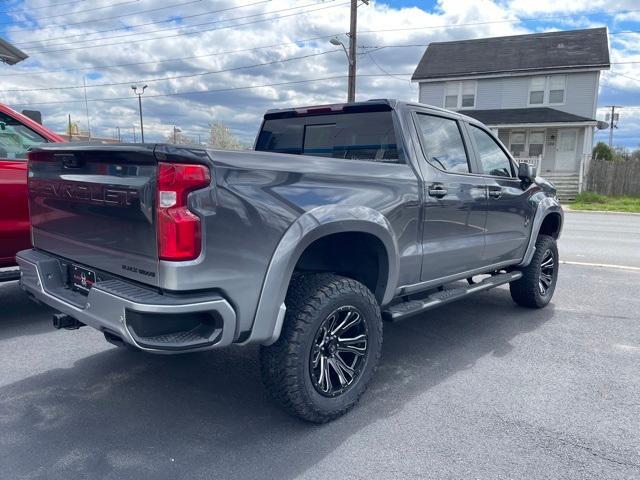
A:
x,y
18,134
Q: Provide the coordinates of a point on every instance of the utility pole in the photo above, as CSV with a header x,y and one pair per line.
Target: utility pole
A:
x,y
86,106
613,121
176,130
119,137
134,133
135,90
353,29
70,131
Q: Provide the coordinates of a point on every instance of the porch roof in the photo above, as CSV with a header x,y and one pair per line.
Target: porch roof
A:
x,y
527,116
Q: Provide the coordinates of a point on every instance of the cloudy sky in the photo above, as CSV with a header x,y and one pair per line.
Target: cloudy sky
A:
x,y
230,60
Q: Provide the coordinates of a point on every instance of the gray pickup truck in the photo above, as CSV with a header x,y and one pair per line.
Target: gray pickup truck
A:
x,y
344,215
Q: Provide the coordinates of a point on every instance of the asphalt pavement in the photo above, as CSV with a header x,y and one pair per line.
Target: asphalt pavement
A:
x,y
478,389
606,238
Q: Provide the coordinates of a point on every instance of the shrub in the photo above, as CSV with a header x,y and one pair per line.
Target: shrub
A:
x,y
602,150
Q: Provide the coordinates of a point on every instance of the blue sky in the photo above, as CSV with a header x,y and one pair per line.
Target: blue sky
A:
x,y
159,43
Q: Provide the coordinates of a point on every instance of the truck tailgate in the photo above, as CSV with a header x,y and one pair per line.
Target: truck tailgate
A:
x,y
95,206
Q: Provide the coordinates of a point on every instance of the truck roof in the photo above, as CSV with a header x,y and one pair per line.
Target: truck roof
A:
x,y
374,104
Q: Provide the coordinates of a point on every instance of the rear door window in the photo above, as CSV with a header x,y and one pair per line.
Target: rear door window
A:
x,y
351,136
442,143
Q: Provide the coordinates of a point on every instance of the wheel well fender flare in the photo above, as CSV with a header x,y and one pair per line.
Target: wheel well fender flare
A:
x,y
547,206
309,227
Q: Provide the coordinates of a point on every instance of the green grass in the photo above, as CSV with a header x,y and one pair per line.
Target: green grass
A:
x,y
595,201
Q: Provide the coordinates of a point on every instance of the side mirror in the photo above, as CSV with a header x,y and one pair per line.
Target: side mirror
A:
x,y
34,115
526,172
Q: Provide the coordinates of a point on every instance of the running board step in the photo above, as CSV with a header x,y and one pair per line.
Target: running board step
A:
x,y
400,311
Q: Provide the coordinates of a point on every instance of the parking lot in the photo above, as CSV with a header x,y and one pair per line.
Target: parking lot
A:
x,y
476,389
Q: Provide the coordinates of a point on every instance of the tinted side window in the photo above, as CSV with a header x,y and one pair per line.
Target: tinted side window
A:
x,y
353,136
443,145
16,139
492,158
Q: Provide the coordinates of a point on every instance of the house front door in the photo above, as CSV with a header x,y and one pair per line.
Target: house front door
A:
x,y
566,149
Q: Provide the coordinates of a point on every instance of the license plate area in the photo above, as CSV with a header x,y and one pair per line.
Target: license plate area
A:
x,y
82,279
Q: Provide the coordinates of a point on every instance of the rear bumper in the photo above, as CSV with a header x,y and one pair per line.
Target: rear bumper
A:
x,y
139,316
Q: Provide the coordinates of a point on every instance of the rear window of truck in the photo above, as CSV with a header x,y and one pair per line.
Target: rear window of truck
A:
x,y
353,136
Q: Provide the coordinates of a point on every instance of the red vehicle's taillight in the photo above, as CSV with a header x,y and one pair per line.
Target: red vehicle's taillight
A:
x,y
179,232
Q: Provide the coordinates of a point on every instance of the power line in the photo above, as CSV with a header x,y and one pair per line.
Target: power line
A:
x,y
489,22
609,12
173,28
76,12
227,52
176,77
198,92
199,31
192,57
102,19
182,17
369,54
42,6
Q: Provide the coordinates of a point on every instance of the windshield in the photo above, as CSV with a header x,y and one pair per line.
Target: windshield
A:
x,y
355,136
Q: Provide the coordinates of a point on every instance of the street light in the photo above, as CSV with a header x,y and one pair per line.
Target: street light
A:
x,y
135,90
351,93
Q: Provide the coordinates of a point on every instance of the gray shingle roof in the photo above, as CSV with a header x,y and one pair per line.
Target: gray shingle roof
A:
x,y
511,116
519,53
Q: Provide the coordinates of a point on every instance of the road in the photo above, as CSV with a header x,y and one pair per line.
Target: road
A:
x,y
606,238
478,389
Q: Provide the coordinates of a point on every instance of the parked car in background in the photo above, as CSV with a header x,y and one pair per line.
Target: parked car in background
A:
x,y
18,134
345,215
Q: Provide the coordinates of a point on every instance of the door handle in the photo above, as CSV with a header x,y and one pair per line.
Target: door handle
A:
x,y
495,192
437,191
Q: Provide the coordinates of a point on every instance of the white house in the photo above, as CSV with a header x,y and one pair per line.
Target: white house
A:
x,y
538,91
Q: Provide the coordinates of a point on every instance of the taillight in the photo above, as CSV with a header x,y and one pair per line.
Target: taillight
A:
x,y
179,232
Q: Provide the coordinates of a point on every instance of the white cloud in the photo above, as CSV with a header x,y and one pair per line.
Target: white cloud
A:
x,y
241,109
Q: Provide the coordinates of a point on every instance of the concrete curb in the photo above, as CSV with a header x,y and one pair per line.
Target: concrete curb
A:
x,y
567,208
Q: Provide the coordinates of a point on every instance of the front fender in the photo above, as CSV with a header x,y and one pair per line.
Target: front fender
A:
x,y
545,206
311,226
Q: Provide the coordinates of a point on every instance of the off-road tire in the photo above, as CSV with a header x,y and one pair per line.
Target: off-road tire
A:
x,y
526,291
285,365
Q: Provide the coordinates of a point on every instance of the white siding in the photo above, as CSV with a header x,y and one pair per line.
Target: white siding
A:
x,y
581,94
489,94
432,94
513,92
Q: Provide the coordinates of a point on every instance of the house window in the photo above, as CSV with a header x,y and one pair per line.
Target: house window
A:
x,y
547,90
536,143
536,91
459,95
556,89
451,94
517,141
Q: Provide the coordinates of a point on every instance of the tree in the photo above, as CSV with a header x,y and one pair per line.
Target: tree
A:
x,y
602,150
221,137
